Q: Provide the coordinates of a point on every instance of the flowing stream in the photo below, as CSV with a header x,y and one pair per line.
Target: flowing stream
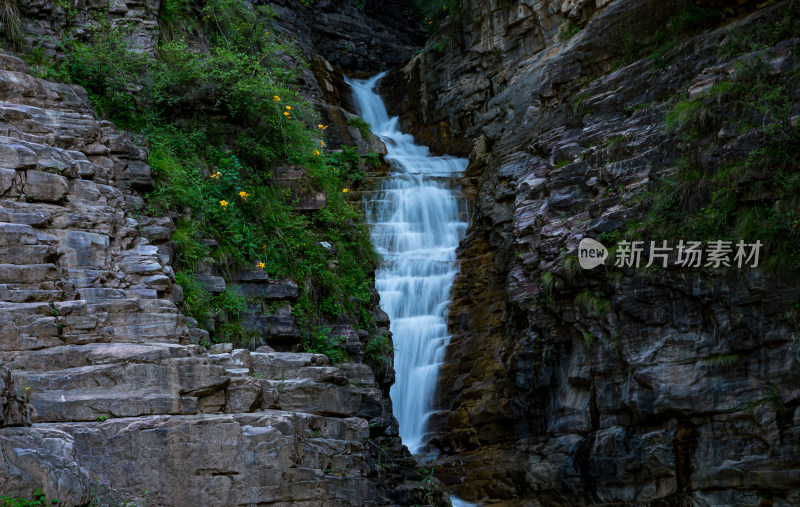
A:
x,y
417,219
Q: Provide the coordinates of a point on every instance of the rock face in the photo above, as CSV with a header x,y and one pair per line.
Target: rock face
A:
x,y
104,391
355,37
571,387
46,21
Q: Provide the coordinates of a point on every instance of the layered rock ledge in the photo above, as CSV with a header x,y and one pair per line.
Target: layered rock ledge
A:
x,y
104,391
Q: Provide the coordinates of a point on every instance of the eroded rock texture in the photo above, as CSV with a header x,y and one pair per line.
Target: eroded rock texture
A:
x,y
104,391
663,387
355,37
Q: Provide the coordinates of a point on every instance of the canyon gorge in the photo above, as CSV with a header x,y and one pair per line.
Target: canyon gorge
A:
x,y
312,253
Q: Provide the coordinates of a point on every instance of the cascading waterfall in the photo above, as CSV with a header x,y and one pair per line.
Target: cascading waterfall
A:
x,y
417,222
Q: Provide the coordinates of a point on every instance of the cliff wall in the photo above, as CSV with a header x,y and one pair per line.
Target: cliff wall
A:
x,y
563,386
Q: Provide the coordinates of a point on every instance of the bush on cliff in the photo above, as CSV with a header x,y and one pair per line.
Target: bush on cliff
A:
x,y
748,197
219,110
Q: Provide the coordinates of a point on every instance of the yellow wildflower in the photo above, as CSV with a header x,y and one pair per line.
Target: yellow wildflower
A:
x,y
322,143
276,98
261,265
316,152
287,114
244,195
322,127
216,175
288,108
223,203
345,190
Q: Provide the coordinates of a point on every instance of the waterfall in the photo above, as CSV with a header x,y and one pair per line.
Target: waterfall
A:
x,y
417,221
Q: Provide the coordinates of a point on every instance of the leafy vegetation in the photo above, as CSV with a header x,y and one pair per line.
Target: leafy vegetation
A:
x,y
688,21
547,283
429,488
39,499
592,303
362,126
440,45
724,361
772,397
10,20
378,353
777,26
690,118
320,341
748,198
434,11
568,30
571,268
218,109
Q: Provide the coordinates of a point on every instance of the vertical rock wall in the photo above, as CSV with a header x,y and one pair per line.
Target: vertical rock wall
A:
x,y
568,387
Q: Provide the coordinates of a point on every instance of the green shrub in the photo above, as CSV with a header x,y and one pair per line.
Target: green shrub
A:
x,y
347,163
724,361
108,68
677,29
219,110
571,268
548,283
747,198
319,341
39,499
568,30
196,300
362,126
777,26
432,12
592,303
690,118
378,353
373,159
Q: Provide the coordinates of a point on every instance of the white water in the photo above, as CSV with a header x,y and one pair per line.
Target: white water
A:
x,y
417,222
